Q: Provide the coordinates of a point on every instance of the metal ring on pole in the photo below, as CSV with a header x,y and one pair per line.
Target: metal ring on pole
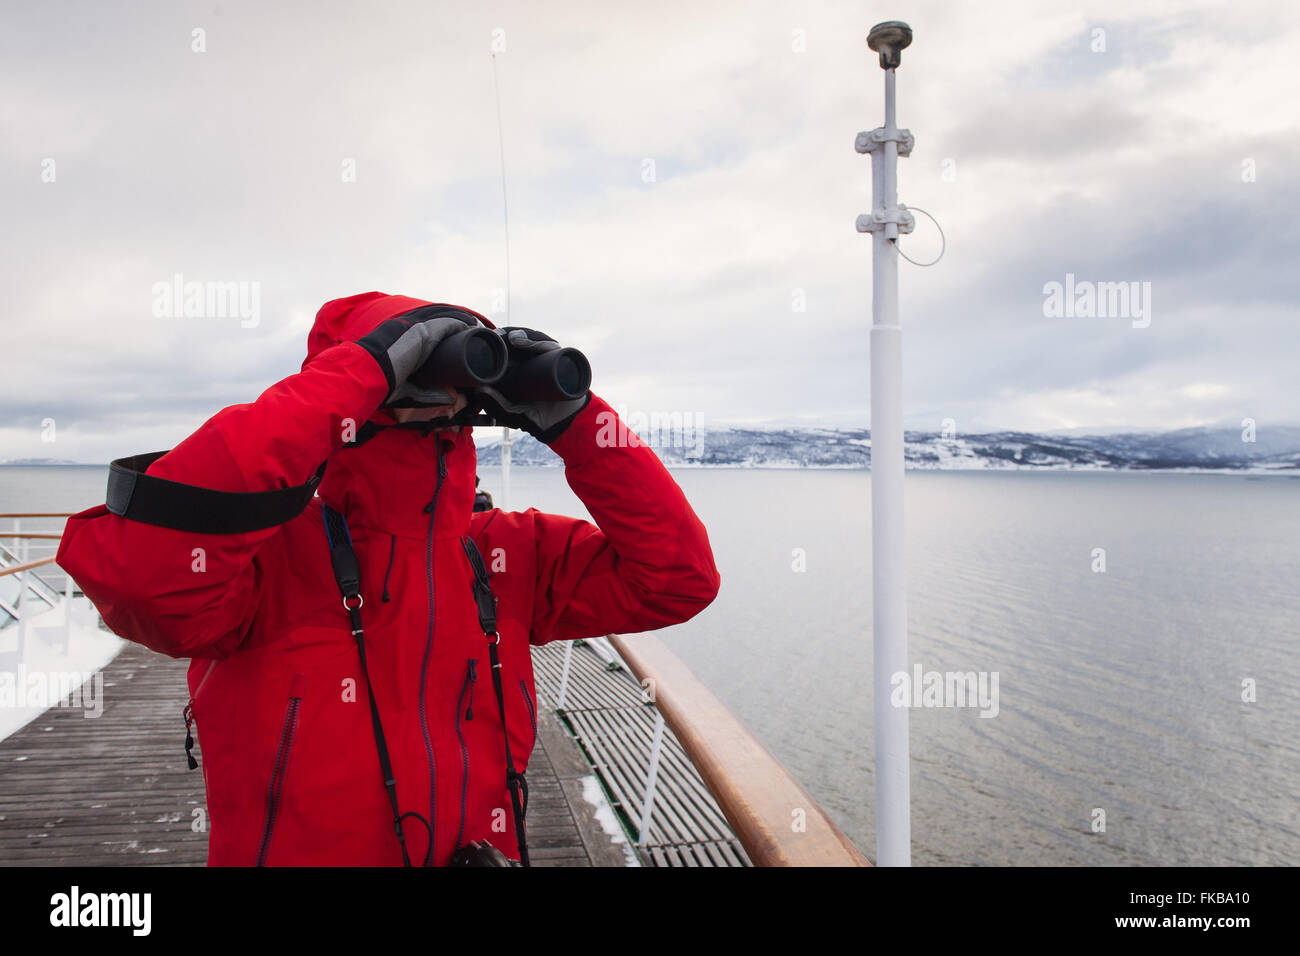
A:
x,y
943,240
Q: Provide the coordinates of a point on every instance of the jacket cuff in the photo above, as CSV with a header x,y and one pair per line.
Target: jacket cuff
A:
x,y
595,427
368,370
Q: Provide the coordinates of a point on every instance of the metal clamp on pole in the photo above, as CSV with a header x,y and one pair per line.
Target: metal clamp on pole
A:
x,y
875,139
898,216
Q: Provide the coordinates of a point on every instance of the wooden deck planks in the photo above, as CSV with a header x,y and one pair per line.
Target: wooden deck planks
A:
x,y
107,791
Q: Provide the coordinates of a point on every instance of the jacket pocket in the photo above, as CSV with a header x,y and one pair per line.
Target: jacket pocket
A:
x,y
465,711
280,769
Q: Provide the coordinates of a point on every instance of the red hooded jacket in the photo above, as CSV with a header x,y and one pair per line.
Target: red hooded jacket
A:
x,y
289,757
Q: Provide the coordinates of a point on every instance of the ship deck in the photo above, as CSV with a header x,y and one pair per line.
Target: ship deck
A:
x,y
115,790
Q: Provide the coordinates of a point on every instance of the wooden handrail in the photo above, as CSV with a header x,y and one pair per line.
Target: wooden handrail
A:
x,y
38,514
760,798
48,535
15,568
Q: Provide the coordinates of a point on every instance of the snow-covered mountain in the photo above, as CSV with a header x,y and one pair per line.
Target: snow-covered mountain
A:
x,y
1274,450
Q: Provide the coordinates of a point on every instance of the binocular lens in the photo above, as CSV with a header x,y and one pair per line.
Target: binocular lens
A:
x,y
479,356
553,376
474,357
482,361
572,377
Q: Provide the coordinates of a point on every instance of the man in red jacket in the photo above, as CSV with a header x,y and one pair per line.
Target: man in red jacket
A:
x,y
291,734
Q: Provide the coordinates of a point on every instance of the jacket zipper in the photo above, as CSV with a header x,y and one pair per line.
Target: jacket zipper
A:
x,y
392,553
467,689
432,509
188,716
473,679
281,769
532,713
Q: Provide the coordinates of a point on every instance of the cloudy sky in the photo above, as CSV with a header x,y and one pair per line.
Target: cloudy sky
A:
x,y
682,191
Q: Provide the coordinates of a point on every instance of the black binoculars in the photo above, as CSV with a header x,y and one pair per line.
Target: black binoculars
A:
x,y
480,356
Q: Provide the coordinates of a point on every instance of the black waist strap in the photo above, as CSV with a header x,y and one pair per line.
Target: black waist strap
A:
x,y
173,504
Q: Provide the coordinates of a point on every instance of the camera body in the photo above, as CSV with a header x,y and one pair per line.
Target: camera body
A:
x,y
481,853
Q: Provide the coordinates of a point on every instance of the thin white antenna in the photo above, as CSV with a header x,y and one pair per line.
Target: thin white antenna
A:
x,y
505,206
506,437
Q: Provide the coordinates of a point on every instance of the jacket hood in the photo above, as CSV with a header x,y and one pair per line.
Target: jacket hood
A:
x,y
390,482
346,320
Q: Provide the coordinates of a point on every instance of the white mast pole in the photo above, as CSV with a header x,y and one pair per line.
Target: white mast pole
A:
x,y
506,440
889,597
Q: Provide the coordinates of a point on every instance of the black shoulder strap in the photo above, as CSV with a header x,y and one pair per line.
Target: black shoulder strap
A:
x,y
347,572
486,604
172,504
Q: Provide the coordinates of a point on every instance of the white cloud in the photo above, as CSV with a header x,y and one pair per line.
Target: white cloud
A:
x,y
226,166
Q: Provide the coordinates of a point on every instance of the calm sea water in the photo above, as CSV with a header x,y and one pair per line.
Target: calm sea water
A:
x,y
1119,690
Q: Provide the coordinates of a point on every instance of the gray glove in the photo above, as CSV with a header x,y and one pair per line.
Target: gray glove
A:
x,y
545,421
402,344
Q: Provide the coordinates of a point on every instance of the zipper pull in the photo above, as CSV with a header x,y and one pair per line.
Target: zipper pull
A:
x,y
442,473
473,679
188,715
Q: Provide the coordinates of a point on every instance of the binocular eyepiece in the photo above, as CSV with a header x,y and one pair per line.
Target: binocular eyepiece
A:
x,y
554,376
480,356
477,356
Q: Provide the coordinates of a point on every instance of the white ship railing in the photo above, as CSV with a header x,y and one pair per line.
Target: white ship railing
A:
x,y
30,597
